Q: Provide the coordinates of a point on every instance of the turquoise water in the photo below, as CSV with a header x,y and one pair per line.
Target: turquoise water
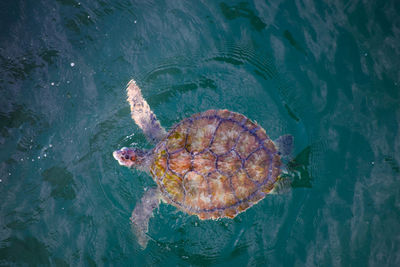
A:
x,y
327,73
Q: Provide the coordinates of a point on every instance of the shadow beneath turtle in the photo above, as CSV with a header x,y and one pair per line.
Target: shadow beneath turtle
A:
x,y
299,169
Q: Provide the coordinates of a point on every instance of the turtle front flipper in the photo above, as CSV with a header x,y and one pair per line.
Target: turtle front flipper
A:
x,y
142,114
142,214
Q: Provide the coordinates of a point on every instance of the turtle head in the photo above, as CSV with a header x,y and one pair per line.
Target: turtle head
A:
x,y
130,157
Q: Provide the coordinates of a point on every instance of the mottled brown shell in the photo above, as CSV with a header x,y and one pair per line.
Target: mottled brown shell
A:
x,y
215,164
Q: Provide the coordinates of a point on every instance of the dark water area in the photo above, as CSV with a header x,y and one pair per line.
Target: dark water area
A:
x,y
326,72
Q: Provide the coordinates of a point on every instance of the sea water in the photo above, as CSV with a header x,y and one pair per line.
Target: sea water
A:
x,y
326,72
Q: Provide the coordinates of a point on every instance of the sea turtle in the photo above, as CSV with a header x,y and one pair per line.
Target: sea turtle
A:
x,y
215,164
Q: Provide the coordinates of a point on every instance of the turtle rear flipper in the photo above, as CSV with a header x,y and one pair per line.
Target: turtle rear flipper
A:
x,y
285,144
142,114
282,185
142,214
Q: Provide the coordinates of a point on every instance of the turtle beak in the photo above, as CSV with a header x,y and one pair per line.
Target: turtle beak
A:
x,y
116,155
119,156
125,157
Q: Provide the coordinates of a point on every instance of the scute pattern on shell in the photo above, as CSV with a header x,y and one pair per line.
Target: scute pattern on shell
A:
x,y
215,164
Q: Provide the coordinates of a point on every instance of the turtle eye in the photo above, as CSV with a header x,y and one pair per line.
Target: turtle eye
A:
x,y
127,156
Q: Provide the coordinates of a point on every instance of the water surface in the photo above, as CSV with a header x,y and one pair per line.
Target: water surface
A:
x,y
327,73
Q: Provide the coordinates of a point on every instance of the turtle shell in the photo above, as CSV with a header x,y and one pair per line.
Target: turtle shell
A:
x,y
215,164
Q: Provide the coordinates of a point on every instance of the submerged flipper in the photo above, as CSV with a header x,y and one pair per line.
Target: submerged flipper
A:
x,y
285,144
142,114
285,147
142,214
282,185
